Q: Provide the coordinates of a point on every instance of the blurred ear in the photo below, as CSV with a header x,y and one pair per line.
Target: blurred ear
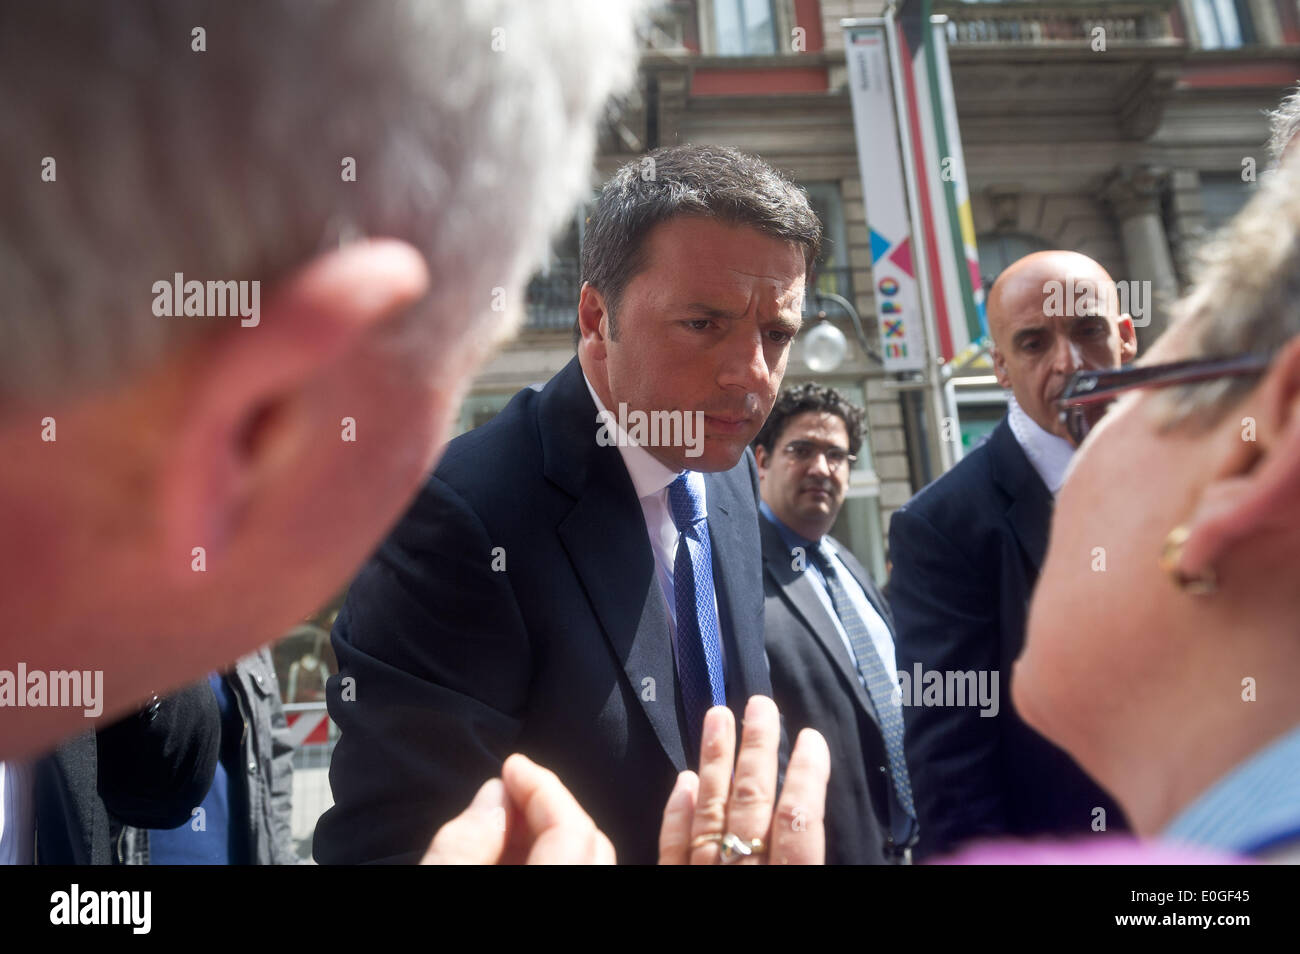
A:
x,y
761,458
1256,490
1000,367
1128,342
236,429
593,323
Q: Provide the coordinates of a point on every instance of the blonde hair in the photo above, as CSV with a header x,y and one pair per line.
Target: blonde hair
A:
x,y
1246,298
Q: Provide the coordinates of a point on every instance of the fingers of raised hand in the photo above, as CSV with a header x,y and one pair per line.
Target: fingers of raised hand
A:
x,y
799,827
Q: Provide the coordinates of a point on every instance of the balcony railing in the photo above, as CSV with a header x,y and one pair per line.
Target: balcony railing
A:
x,y
551,301
669,27
1063,22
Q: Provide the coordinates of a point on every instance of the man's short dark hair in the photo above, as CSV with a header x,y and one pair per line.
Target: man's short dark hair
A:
x,y
715,182
810,397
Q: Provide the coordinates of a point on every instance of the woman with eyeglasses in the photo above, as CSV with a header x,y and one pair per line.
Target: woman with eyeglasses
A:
x,y
1164,639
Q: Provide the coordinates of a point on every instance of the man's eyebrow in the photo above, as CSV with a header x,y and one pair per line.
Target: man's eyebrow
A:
x,y
791,321
705,310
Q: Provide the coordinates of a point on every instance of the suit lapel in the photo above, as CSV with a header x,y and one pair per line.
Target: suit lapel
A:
x,y
737,583
1030,512
799,590
605,538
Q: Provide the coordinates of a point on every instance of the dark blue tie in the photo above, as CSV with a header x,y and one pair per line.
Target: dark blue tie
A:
x,y
880,687
699,648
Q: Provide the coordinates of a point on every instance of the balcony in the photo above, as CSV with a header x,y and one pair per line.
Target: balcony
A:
x,y
1068,23
551,300
669,27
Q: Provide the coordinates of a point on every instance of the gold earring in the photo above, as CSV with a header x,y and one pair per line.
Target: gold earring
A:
x,y
1204,585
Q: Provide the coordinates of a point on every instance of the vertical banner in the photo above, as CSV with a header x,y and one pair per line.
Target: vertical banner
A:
x,y
940,229
966,285
884,193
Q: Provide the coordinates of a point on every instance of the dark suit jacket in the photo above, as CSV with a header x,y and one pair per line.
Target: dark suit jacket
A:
x,y
147,770
966,552
815,685
561,652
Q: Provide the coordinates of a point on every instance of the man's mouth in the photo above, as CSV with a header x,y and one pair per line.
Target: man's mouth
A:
x,y
726,424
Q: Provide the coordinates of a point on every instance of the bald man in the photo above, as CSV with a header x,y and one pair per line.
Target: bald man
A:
x,y
966,552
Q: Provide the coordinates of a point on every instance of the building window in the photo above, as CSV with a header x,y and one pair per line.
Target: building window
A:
x,y
478,409
831,270
744,27
1222,196
997,250
551,298
1223,24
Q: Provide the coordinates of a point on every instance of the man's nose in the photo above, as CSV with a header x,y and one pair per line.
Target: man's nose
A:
x,y
819,466
1068,357
745,363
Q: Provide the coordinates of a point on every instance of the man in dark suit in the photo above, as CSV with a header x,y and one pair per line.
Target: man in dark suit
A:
x,y
966,552
580,579
829,631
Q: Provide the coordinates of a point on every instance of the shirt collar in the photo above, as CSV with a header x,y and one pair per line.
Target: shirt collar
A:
x,y
1254,807
788,536
649,475
1048,454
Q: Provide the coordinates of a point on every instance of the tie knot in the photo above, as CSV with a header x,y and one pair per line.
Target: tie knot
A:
x,y
821,555
686,500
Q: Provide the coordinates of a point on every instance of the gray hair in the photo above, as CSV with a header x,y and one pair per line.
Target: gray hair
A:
x,y
1284,123
1247,297
471,124
708,181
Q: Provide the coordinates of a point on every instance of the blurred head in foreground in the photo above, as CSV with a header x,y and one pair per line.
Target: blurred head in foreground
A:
x,y
252,257
1163,646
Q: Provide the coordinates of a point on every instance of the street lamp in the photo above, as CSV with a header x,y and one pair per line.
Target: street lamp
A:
x,y
824,345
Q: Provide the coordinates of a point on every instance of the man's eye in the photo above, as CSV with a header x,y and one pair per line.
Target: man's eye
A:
x,y
781,337
698,324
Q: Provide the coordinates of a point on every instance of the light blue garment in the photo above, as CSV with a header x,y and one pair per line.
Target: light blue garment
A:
x,y
1252,809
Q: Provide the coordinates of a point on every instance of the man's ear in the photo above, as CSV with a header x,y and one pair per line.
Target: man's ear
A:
x,y
233,428
1000,367
593,321
761,459
1256,489
1128,341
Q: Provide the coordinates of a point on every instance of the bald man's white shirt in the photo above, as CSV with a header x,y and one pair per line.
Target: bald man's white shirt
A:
x,y
1048,454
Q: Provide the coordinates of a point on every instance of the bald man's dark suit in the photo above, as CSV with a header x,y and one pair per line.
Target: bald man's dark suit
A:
x,y
966,552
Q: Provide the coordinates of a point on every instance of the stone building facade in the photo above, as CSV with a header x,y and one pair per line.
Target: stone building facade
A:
x,y
1131,154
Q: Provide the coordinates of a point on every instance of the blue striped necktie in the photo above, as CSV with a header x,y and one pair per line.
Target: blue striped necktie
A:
x,y
699,648
880,687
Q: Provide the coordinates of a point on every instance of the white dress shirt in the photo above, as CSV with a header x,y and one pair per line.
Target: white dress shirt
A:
x,y
16,822
650,479
1048,454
